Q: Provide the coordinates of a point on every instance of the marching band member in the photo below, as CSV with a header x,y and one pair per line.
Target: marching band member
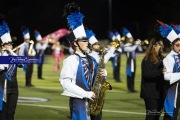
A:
x,y
116,58
172,64
130,50
8,73
95,53
81,67
27,50
95,45
40,48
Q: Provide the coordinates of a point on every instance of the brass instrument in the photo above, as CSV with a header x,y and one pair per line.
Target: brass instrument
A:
x,y
115,43
99,88
31,51
145,42
49,40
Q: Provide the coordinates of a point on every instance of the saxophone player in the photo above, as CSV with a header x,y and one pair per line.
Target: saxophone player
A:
x,y
96,46
96,54
27,50
81,67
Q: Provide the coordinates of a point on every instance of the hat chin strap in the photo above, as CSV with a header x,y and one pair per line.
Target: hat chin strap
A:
x,y
81,48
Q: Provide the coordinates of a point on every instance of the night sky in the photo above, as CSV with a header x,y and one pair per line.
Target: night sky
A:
x,y
46,15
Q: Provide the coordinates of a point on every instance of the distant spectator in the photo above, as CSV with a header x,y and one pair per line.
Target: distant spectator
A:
x,y
58,55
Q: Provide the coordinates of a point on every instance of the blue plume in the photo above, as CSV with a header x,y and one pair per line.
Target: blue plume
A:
x,y
25,31
111,34
177,29
116,33
125,32
4,28
165,30
36,34
75,20
89,33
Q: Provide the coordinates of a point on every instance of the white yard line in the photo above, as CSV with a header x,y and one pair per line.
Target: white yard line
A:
x,y
61,107
121,91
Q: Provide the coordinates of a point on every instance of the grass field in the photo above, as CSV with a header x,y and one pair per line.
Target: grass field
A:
x,y
119,105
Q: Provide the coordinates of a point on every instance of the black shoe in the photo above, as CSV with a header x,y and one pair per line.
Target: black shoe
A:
x,y
118,81
132,91
41,78
30,85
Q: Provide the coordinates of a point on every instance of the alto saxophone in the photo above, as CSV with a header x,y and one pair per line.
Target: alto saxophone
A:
x,y
99,88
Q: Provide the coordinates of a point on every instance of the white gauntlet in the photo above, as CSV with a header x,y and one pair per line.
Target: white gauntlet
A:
x,y
138,42
89,94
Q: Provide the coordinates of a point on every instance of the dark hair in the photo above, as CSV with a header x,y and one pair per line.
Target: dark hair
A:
x,y
150,52
177,39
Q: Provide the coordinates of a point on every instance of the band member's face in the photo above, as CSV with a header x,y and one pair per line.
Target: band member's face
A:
x,y
176,46
83,44
7,46
159,47
131,40
96,46
27,40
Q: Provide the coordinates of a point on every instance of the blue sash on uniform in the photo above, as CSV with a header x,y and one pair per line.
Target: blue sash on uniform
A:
x,y
26,48
113,60
80,110
170,98
10,71
24,67
1,90
132,55
86,73
41,56
84,79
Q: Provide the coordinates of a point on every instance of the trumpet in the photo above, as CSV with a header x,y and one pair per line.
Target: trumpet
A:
x,y
115,43
140,42
145,42
48,40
